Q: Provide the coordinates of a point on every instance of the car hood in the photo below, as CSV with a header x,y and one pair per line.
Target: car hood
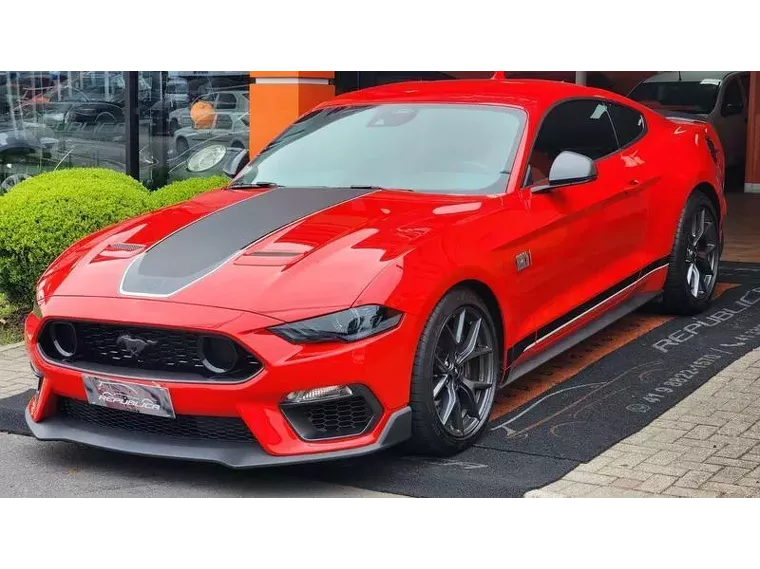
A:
x,y
281,252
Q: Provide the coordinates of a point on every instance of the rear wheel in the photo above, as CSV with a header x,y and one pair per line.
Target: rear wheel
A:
x,y
693,269
455,375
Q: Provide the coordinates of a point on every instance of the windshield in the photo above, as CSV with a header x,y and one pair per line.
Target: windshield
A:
x,y
422,147
687,96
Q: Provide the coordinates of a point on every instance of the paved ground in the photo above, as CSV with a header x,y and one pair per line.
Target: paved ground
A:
x,y
32,469
15,375
708,445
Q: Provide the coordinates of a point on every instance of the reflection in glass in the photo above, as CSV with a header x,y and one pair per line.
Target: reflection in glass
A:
x,y
448,148
61,119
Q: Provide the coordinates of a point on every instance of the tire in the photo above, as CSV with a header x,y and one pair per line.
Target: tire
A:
x,y
173,127
430,435
105,118
679,293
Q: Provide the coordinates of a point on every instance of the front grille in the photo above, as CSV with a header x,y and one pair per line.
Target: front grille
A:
x,y
195,427
165,354
332,419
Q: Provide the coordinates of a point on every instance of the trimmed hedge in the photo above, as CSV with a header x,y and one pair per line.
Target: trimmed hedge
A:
x,y
185,189
42,216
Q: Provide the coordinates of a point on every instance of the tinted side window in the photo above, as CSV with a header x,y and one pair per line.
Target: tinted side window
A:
x,y
629,124
733,96
226,102
584,127
744,78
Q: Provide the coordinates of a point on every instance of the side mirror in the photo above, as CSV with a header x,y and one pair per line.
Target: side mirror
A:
x,y
569,168
235,164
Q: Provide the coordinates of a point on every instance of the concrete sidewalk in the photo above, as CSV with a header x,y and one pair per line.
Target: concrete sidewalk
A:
x,y
708,445
15,374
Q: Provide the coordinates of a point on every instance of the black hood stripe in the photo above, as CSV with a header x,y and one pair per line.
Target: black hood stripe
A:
x,y
200,248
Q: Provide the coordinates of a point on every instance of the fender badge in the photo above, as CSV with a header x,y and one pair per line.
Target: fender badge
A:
x,y
522,260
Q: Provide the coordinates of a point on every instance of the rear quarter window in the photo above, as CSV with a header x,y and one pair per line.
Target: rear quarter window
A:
x,y
629,124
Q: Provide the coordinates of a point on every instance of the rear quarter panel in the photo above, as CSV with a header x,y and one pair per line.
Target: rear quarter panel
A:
x,y
680,162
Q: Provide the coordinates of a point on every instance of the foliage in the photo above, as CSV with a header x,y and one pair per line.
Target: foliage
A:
x,y
42,216
185,189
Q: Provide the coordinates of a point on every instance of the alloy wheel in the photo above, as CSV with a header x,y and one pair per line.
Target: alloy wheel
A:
x,y
702,254
464,372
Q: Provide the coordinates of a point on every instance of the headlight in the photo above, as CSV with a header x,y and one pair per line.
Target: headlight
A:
x,y
345,326
206,158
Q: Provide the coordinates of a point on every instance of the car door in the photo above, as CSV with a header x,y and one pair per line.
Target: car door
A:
x,y
731,121
583,239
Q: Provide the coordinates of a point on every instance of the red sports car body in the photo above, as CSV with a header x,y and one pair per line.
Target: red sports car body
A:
x,y
375,274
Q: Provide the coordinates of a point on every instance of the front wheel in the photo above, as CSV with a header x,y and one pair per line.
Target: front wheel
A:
x,y
693,268
455,375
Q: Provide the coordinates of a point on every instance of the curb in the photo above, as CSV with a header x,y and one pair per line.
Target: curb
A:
x,y
9,347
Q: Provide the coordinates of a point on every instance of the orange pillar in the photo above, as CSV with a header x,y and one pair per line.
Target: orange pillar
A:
x,y
280,97
752,169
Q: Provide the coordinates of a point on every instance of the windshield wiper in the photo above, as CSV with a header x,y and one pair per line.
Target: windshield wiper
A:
x,y
240,185
369,187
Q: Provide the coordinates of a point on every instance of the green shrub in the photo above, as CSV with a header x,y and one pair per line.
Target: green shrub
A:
x,y
43,215
185,189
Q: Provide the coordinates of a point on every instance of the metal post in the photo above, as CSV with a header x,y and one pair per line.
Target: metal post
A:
x,y
131,125
580,73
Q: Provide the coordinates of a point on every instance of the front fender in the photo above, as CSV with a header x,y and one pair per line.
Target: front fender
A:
x,y
416,282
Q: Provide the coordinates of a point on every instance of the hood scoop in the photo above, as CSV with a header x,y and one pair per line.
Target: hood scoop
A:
x,y
125,247
120,251
274,255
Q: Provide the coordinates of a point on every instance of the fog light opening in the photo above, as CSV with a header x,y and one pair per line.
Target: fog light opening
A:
x,y
217,354
64,337
319,394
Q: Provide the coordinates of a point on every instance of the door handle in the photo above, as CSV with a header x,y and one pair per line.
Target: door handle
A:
x,y
631,185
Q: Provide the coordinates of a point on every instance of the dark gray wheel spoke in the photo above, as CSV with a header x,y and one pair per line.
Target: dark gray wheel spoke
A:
x,y
468,400
464,371
478,385
470,343
458,420
450,404
440,384
460,326
704,266
440,364
478,352
701,255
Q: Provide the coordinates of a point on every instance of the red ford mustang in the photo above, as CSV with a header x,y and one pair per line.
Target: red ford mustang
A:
x,y
375,274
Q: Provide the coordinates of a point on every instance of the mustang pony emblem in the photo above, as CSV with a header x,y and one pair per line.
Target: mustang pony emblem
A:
x,y
135,346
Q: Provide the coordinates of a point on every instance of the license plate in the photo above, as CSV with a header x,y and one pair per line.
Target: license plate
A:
x,y
134,397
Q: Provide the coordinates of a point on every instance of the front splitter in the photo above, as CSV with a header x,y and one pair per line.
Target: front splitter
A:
x,y
234,455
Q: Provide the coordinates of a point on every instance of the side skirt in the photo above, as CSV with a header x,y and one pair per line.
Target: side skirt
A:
x,y
578,336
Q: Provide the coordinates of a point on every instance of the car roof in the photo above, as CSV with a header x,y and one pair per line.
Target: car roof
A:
x,y
689,76
534,94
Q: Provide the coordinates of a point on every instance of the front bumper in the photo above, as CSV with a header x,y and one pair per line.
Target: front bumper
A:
x,y
234,455
381,364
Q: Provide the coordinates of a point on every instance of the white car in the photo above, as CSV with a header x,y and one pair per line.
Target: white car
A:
x,y
718,97
234,103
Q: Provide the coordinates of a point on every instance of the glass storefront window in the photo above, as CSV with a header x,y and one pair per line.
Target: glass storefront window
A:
x,y
193,122
60,119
